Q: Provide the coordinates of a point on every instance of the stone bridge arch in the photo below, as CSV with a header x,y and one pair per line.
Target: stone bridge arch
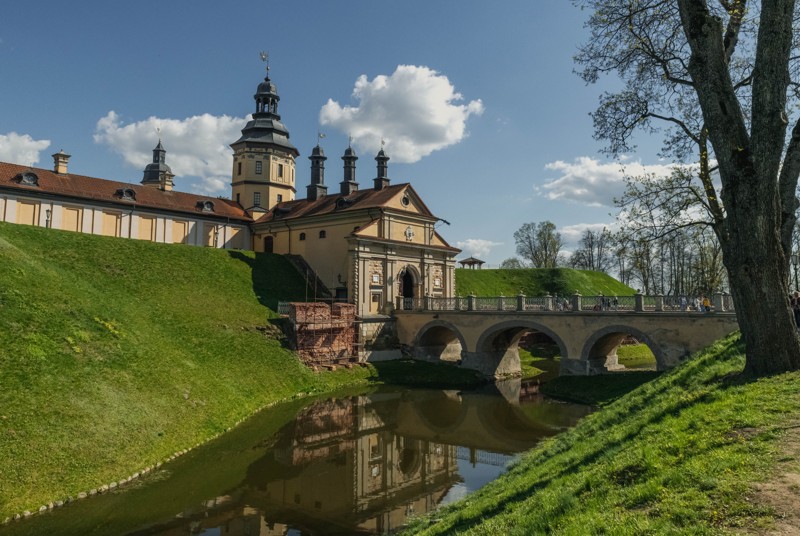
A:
x,y
600,349
497,352
439,340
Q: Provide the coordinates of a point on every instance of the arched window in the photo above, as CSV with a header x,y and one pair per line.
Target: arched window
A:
x,y
322,234
302,236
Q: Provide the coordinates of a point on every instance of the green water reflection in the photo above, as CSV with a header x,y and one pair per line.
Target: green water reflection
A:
x,y
352,464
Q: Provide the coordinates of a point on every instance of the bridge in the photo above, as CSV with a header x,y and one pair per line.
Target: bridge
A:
x,y
483,333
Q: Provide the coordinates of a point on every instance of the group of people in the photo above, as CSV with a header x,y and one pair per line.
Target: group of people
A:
x,y
700,304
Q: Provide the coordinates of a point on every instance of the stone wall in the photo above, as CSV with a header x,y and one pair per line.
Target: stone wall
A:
x,y
379,339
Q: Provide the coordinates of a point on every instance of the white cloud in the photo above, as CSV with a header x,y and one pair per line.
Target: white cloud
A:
x,y
197,147
414,110
21,148
477,247
591,182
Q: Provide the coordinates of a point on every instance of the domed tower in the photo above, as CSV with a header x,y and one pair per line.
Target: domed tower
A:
x,y
158,174
264,158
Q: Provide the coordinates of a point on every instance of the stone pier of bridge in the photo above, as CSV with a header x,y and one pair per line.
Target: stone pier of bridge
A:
x,y
487,341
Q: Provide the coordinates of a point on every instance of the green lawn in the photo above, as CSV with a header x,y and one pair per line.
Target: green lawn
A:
x,y
114,354
538,282
677,455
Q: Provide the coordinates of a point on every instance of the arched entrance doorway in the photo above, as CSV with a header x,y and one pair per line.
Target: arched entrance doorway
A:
x,y
408,286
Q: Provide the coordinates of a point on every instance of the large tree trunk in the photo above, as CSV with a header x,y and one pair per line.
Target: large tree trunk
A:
x,y
749,166
760,294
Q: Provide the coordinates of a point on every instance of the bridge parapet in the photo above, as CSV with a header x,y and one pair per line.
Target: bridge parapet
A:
x,y
575,303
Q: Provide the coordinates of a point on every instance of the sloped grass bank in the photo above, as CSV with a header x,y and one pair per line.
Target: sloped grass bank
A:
x,y
538,282
677,455
115,354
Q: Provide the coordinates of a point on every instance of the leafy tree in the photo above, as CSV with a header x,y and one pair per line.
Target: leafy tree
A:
x,y
512,263
594,252
539,243
720,77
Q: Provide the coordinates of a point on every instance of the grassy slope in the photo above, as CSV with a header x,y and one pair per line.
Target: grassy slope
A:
x,y
116,353
537,282
676,455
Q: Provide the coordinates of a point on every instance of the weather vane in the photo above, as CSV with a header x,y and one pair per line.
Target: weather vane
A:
x,y
383,142
158,131
320,135
265,58
350,140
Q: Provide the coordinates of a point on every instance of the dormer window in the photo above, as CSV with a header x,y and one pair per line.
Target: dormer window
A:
x,y
128,194
343,203
28,178
206,206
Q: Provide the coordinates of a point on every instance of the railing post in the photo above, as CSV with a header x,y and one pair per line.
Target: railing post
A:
x,y
520,302
500,303
576,302
471,302
718,302
548,303
659,303
639,300
426,303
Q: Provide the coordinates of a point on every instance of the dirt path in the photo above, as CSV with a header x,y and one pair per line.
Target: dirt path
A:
x,y
782,493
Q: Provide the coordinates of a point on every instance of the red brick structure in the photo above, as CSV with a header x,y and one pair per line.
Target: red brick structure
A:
x,y
324,335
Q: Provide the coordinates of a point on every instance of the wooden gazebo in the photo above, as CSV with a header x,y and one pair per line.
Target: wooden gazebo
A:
x,y
471,262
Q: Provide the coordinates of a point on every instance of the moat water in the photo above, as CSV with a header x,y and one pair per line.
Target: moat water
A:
x,y
359,463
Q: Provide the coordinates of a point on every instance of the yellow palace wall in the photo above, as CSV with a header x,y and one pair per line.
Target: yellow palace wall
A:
x,y
122,222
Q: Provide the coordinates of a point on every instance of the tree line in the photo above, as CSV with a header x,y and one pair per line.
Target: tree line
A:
x,y
685,262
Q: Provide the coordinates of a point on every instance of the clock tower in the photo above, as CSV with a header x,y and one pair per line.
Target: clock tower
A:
x,y
263,157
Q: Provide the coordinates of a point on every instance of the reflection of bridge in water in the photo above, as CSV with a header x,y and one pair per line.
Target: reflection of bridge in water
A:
x,y
484,333
475,456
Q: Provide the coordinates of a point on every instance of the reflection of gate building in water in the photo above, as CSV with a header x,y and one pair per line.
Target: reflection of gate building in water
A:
x,y
342,465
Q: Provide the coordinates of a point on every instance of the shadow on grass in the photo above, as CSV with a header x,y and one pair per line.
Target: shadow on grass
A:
x,y
274,278
597,390
422,374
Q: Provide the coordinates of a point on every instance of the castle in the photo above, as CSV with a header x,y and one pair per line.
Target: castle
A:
x,y
369,247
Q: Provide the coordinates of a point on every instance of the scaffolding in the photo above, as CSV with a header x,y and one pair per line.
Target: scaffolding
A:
x,y
324,336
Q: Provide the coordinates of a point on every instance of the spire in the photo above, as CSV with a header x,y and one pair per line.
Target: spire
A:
x,y
382,180
317,188
349,184
158,174
266,128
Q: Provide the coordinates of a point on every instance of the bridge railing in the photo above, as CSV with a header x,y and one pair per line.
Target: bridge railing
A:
x,y
607,304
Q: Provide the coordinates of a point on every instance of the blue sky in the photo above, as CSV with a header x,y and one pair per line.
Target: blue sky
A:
x,y
97,78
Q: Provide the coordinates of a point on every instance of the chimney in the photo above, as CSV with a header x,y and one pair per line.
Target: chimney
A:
x,y
60,160
382,180
165,181
349,184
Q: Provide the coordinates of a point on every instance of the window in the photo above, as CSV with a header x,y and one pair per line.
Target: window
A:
x,y
258,167
238,197
280,170
256,199
239,169
302,236
322,234
280,198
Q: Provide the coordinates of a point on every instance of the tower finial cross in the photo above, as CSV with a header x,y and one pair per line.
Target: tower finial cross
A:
x,y
264,55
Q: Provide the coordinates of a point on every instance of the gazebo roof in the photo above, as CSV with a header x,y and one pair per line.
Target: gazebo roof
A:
x,y
470,261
